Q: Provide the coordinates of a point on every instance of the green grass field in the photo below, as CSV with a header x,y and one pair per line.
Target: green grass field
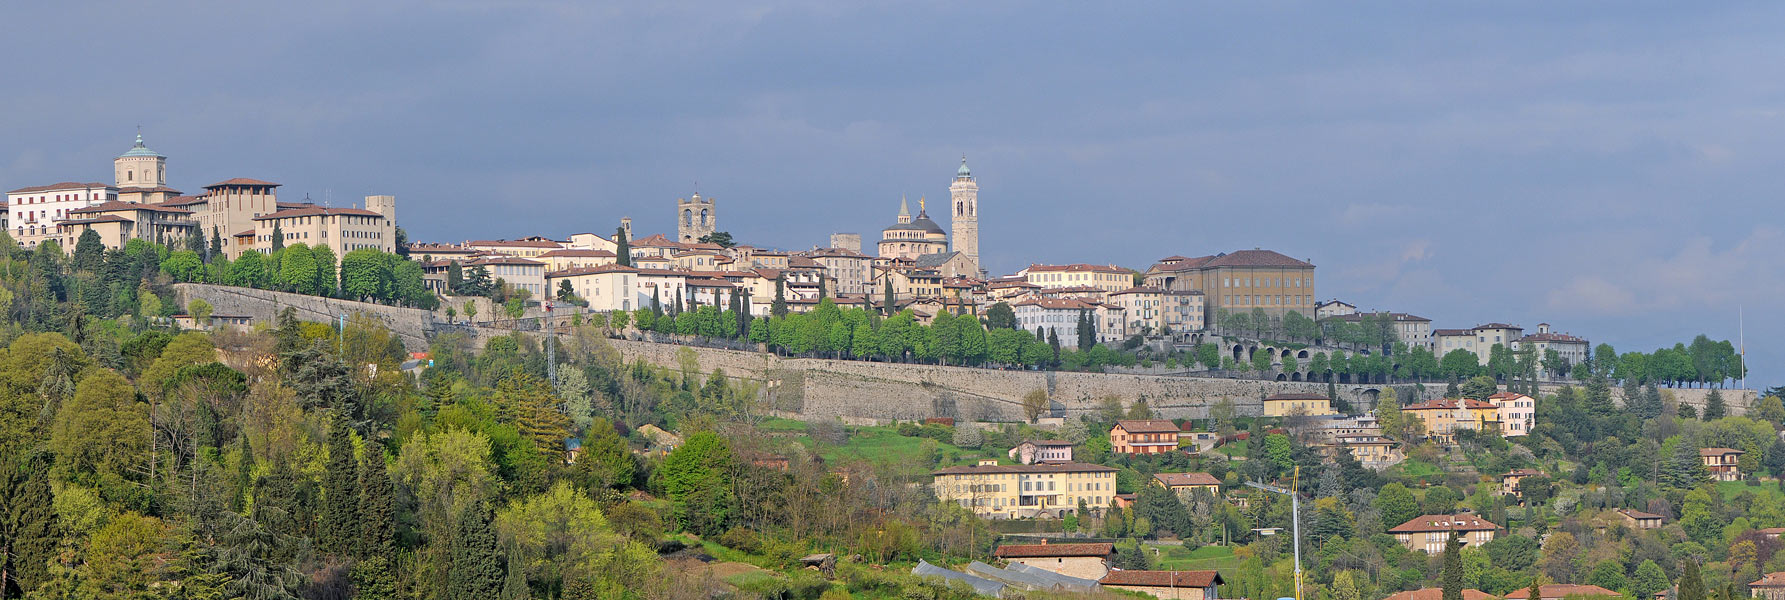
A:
x,y
1765,492
875,445
1219,558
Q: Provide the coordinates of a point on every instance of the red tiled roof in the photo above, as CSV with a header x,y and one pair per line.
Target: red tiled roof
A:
x,y
573,252
152,190
515,244
1147,426
1495,326
1078,268
248,233
1424,523
1037,468
1441,332
1181,263
1177,479
242,181
656,240
1448,403
98,219
1771,580
1173,579
1561,590
1138,290
1438,594
177,201
1357,317
1056,303
1054,550
1254,258
313,211
1637,514
1719,451
116,205
1297,396
574,271
502,259
1506,396
66,185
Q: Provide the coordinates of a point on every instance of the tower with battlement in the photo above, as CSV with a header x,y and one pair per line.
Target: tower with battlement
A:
x,y
696,218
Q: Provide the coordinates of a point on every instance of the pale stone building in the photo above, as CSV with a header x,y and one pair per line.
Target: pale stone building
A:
x,y
1042,451
1413,330
850,270
516,272
119,222
1060,316
34,212
605,287
1240,281
1170,585
1022,491
1332,308
1109,278
1572,350
911,238
591,241
964,192
1479,340
1085,561
571,258
530,247
1429,533
341,230
1297,404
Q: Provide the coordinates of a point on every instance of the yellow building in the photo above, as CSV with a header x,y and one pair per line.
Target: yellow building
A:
x,y
1109,278
1306,405
1240,281
1021,491
1442,418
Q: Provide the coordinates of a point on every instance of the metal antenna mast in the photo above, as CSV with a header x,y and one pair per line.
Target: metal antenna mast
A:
x,y
1295,516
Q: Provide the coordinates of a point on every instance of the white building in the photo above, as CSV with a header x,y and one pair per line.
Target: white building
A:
x,y
1412,330
34,212
1572,350
1060,316
1333,308
605,287
1480,339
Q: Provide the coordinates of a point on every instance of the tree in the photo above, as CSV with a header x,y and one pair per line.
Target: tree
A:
x,y
278,238
367,275
1087,331
340,527
622,248
778,308
200,311
249,270
1648,581
1000,316
694,479
1034,403
1684,469
1713,406
89,252
183,266
377,506
1453,567
476,572
1396,504
967,435
606,461
1479,388
1261,362
1608,574
101,435
29,531
1691,583
722,238
297,269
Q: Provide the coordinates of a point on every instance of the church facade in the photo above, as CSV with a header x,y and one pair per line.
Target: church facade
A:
x,y
909,238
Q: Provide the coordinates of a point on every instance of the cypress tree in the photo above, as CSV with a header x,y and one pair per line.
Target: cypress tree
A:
x,y
514,586
656,303
779,307
1536,589
476,572
244,474
377,508
1453,568
622,248
821,292
677,308
216,242
886,303
28,528
1691,583
1053,339
1087,330
340,525
278,238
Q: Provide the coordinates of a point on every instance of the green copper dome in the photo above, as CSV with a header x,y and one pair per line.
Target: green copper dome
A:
x,y
140,150
963,171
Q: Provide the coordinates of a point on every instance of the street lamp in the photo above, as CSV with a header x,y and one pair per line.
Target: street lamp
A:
x,y
1295,520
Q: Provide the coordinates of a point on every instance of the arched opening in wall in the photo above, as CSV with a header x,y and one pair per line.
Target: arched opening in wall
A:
x,y
1296,376
1237,349
688,217
1282,377
1344,378
1370,395
1250,351
705,220
1395,369
1302,355
1286,353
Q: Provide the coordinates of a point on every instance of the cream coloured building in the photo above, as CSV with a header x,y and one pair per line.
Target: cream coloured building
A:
x,y
228,209
606,287
1480,340
1240,281
590,241
850,270
1294,404
571,258
1517,413
1572,350
530,247
1162,311
1413,330
33,212
910,238
119,222
1430,533
513,271
341,230
1109,278
1022,491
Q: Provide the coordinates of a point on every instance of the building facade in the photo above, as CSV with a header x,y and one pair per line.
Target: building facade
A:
x,y
1240,281
1296,404
696,218
1518,413
1022,491
910,238
33,213
1143,436
1572,350
1429,533
341,230
964,192
118,222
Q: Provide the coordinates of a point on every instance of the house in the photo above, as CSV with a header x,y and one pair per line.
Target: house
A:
x,y
1722,463
1187,483
1443,417
1509,482
1640,520
1517,413
1770,587
1296,404
1438,594
1042,451
1167,585
1772,533
997,491
1572,350
1152,436
1372,451
1429,533
1558,591
1198,441
1333,308
1088,561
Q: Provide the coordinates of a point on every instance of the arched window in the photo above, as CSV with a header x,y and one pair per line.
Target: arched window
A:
x,y
687,217
960,208
703,218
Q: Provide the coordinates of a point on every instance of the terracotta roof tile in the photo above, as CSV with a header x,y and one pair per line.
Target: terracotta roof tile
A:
x,y
66,185
1054,550
315,211
1177,479
1561,590
1425,523
1438,594
242,181
1172,579
1047,468
1147,426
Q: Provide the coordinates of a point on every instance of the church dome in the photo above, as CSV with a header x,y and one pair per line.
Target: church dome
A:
x,y
963,171
140,150
923,222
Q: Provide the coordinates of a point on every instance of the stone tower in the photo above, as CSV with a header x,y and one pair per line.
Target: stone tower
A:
x,y
140,167
696,218
965,222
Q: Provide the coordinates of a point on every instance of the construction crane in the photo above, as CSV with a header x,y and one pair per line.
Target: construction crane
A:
x,y
1295,519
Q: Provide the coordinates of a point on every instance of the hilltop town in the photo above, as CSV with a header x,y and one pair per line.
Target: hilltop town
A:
x,y
610,414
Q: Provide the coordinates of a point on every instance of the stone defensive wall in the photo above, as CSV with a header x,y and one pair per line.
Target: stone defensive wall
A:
x,y
861,391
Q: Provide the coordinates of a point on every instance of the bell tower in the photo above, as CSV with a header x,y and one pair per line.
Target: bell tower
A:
x,y
696,218
964,194
140,167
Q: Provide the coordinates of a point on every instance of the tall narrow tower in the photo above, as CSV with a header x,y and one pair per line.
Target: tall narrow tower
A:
x,y
140,167
696,218
965,193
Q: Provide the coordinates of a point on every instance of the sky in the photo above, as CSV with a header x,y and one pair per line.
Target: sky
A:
x,y
1613,169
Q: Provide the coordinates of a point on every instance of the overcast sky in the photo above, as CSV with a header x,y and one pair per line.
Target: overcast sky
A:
x,y
1612,168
